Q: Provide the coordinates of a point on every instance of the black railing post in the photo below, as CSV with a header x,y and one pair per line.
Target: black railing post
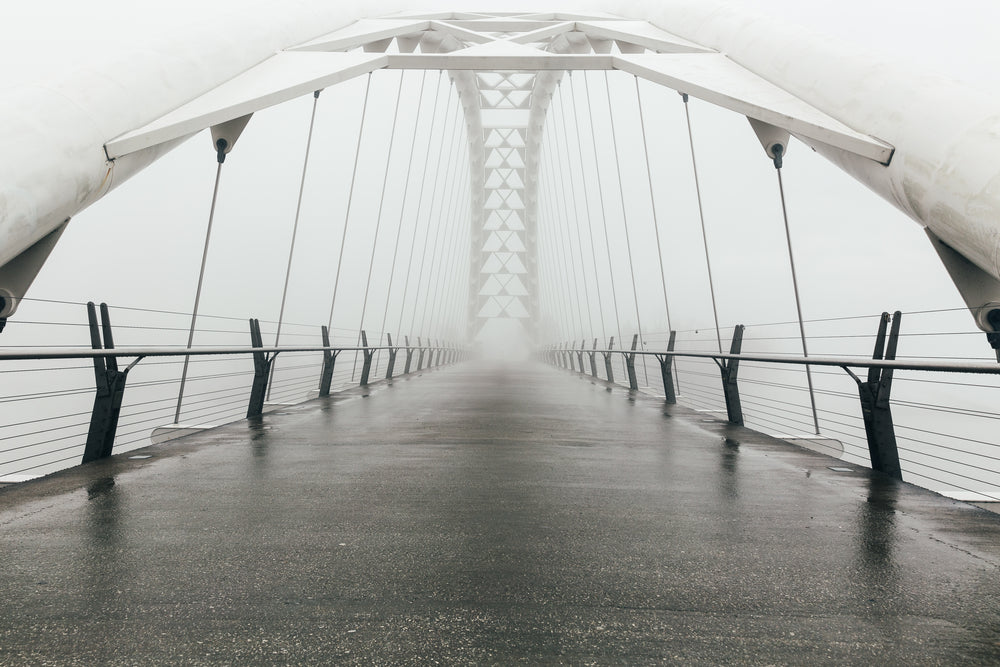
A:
x,y
730,389
633,382
593,359
261,372
366,368
329,359
110,389
580,352
875,408
607,360
420,355
666,370
409,355
392,357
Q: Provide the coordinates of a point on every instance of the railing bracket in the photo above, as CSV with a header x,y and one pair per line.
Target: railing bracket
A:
x,y
261,372
666,370
392,357
409,355
368,353
329,359
110,388
729,369
633,382
875,409
607,360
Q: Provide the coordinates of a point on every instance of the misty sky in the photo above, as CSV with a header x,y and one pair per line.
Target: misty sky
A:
x,y
856,254
153,226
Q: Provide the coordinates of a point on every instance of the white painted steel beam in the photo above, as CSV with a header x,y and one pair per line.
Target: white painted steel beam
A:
x,y
491,58
548,32
283,77
573,16
458,32
708,76
440,16
501,25
640,33
363,32
716,79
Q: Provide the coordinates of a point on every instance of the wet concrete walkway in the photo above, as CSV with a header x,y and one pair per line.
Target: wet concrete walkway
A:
x,y
486,514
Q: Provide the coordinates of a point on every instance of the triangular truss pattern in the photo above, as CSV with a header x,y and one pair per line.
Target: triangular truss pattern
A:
x,y
503,257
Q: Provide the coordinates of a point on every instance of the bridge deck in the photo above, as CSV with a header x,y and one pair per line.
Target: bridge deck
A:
x,y
491,515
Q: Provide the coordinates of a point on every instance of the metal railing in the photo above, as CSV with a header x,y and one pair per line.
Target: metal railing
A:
x,y
36,438
939,443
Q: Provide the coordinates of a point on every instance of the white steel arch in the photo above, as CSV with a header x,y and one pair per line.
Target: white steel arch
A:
x,y
926,145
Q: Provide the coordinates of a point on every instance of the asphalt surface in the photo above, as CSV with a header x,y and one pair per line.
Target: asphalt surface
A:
x,y
485,514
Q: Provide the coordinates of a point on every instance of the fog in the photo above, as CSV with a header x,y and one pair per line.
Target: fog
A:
x,y
141,246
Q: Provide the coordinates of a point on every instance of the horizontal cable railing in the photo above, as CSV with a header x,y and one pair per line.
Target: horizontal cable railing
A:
x,y
52,416
939,419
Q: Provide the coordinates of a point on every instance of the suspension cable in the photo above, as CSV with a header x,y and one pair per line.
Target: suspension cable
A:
x,y
628,242
556,162
795,284
576,210
420,200
295,230
378,222
452,285
402,208
442,304
590,225
448,244
604,210
566,302
701,214
437,248
652,203
656,223
430,214
557,307
381,205
197,292
350,199
561,219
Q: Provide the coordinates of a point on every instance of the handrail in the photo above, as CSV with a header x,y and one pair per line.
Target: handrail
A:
x,y
982,368
74,353
110,379
874,387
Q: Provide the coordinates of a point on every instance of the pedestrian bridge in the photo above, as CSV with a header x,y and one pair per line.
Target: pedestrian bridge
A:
x,y
494,337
